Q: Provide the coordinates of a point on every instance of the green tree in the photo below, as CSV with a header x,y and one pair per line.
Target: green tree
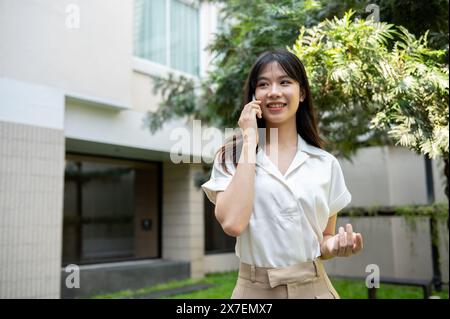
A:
x,y
416,16
419,17
401,90
257,25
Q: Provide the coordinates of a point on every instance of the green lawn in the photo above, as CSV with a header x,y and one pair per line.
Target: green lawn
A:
x,y
224,284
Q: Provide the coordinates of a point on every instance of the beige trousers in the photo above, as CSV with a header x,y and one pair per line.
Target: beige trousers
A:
x,y
302,281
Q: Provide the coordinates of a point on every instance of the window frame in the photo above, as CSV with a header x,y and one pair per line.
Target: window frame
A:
x,y
152,68
132,162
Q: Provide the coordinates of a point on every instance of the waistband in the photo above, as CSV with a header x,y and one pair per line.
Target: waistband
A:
x,y
302,272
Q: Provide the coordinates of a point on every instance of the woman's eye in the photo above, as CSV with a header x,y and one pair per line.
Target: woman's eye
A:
x,y
262,84
285,82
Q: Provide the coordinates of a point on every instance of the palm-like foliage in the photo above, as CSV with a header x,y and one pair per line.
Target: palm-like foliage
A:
x,y
416,111
357,78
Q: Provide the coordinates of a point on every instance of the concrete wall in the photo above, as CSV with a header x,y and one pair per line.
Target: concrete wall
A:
x,y
31,185
92,60
390,176
401,248
183,222
443,249
119,128
220,263
95,60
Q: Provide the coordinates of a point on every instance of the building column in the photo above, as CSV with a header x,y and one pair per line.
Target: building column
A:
x,y
31,189
182,217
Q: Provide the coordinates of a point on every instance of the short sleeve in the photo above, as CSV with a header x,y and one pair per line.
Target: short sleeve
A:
x,y
218,181
339,196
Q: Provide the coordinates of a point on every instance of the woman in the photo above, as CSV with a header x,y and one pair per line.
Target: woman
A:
x,y
279,193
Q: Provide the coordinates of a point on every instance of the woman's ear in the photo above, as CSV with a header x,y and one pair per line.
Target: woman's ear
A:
x,y
302,95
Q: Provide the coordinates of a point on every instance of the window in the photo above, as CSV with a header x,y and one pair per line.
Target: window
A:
x,y
216,241
167,32
111,210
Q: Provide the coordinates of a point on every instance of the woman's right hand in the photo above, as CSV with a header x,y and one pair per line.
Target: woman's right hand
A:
x,y
247,121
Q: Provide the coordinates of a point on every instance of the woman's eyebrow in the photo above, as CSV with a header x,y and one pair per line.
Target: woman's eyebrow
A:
x,y
267,79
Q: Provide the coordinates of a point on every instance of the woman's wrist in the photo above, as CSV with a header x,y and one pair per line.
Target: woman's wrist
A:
x,y
250,140
248,153
325,252
251,145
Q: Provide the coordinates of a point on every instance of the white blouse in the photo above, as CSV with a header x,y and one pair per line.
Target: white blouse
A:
x,y
290,212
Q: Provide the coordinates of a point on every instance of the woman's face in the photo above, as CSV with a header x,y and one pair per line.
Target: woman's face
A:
x,y
280,95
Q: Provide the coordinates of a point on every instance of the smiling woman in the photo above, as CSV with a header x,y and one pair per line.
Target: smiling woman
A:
x,y
285,221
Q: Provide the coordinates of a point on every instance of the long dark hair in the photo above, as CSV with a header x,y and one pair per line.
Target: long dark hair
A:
x,y
306,118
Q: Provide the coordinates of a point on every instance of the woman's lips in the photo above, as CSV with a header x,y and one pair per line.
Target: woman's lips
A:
x,y
276,107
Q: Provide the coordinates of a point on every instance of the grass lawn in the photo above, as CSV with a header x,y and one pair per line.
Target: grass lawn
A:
x,y
224,284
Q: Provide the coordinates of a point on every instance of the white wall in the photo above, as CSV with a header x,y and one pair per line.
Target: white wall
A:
x,y
123,128
31,104
93,60
407,178
214,263
389,176
400,247
367,178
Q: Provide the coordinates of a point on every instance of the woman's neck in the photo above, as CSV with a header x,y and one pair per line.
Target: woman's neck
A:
x,y
283,136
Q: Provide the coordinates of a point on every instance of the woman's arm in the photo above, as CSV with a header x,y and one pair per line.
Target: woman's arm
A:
x,y
234,205
344,244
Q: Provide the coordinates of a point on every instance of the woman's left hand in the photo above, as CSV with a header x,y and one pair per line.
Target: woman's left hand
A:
x,y
345,243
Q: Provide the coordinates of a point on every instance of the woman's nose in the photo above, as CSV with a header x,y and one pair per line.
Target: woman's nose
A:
x,y
273,92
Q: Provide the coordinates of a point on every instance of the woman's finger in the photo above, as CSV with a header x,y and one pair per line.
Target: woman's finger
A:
x,y
249,107
361,242
349,231
349,240
252,103
358,243
258,110
342,241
